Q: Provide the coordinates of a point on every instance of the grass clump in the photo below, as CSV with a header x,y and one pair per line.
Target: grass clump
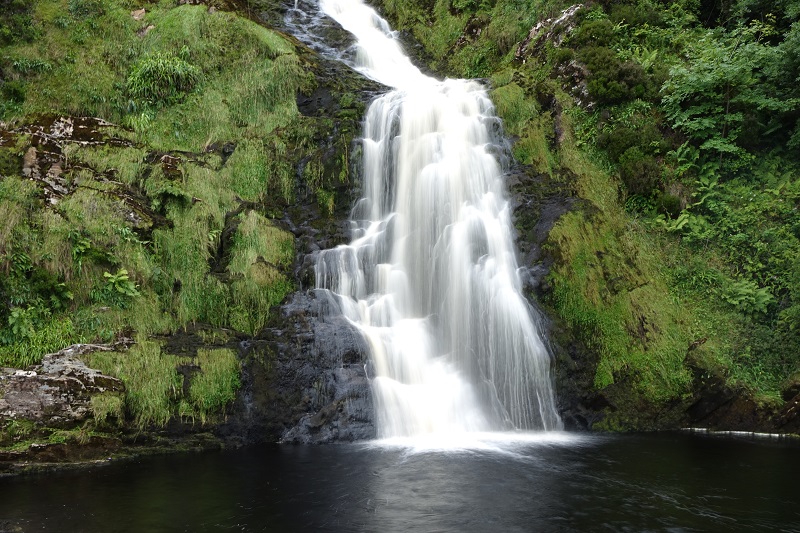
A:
x,y
154,390
215,386
151,381
33,337
162,79
260,252
108,407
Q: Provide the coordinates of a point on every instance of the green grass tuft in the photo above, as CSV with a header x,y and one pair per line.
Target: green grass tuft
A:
x,y
151,381
215,386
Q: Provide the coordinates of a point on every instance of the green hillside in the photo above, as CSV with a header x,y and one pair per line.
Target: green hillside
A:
x,y
148,152
677,125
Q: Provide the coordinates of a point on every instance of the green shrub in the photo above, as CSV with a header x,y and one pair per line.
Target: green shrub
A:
x,y
594,33
639,172
635,15
118,289
26,66
16,24
13,91
645,137
464,5
562,55
747,297
668,204
613,81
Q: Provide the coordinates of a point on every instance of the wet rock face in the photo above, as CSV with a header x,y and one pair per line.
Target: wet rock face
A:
x,y
327,366
57,393
44,162
304,380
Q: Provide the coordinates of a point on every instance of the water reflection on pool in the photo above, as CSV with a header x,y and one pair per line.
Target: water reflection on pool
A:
x,y
489,482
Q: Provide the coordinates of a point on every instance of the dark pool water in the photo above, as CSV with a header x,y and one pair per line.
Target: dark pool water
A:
x,y
663,482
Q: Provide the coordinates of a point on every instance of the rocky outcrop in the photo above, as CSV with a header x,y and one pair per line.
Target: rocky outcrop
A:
x,y
573,74
58,393
715,405
335,390
552,30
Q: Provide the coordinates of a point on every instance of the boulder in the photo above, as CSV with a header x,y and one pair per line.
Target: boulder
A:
x,y
57,393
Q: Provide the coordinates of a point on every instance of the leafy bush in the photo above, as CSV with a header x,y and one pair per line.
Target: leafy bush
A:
x,y
668,204
748,297
47,337
639,172
617,141
594,33
463,5
732,83
31,286
118,289
16,24
613,81
635,15
162,79
25,66
13,91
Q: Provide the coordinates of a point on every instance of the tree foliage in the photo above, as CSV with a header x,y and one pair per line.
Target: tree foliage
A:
x,y
729,86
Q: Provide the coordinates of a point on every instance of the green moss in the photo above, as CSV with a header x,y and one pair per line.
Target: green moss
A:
x,y
248,171
514,107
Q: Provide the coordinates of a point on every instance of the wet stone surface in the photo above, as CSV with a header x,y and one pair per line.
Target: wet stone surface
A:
x,y
304,379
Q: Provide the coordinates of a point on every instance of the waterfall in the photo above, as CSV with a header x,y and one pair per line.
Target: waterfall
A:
x,y
430,277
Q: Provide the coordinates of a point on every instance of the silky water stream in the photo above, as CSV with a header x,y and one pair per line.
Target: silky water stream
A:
x,y
430,277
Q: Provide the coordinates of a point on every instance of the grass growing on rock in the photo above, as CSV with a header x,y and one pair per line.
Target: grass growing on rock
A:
x,y
108,407
195,81
216,385
164,220
609,286
151,381
154,389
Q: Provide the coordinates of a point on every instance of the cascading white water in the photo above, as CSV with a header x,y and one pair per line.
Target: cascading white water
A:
x,y
430,277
